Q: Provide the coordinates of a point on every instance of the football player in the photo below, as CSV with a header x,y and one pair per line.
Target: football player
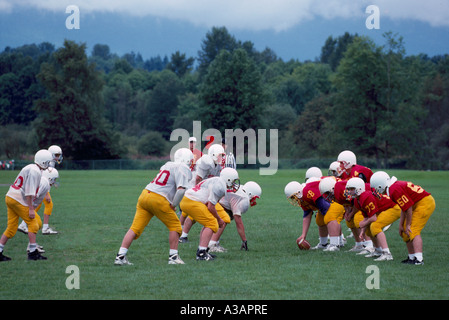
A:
x,y
201,203
308,197
334,190
378,212
209,165
56,152
417,205
19,202
350,169
236,204
160,198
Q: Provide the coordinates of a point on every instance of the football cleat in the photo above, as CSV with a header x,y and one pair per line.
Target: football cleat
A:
x,y
357,248
35,255
49,231
373,254
319,246
217,248
385,257
183,240
204,255
23,228
175,259
39,248
331,248
121,260
4,258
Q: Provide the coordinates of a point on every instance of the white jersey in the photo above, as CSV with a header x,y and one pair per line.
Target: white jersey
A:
x,y
171,176
209,190
237,202
26,184
206,167
44,188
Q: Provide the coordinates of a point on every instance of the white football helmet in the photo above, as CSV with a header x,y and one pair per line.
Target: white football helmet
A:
x,y
253,190
313,172
231,178
44,159
51,174
183,155
56,152
216,152
347,159
333,169
354,188
380,181
327,186
293,192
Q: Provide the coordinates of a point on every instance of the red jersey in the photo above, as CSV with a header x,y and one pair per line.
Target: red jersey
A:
x,y
406,194
310,194
339,191
370,205
356,170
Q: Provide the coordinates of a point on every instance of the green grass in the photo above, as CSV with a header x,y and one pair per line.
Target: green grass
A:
x,y
94,209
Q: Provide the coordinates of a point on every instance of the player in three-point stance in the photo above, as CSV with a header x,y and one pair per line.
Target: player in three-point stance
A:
x,y
201,204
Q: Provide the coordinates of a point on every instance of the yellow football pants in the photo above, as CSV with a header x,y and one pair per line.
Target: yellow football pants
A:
x,y
198,211
15,211
421,212
151,204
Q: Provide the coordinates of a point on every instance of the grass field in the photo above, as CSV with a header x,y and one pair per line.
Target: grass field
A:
x,y
94,209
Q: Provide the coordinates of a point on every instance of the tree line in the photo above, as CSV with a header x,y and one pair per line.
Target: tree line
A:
x,y
374,99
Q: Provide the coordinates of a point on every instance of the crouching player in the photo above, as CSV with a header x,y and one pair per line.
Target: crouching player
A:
x,y
377,212
417,206
236,204
201,204
160,198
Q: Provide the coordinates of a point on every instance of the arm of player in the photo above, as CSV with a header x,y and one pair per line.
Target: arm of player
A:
x,y
241,231
306,220
406,218
367,221
178,197
31,212
211,208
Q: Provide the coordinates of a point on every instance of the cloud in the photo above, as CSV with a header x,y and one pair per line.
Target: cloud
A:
x,y
277,15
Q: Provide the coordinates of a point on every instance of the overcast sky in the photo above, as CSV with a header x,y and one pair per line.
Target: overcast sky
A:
x,y
278,24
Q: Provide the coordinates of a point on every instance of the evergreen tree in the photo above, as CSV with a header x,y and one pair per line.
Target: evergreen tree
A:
x,y
71,115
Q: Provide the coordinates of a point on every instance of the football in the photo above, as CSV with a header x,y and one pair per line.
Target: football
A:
x,y
303,244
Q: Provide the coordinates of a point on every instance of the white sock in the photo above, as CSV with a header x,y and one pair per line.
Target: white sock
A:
x,y
122,251
184,235
418,256
32,247
173,251
323,240
45,226
211,243
368,244
335,241
1,247
386,250
201,248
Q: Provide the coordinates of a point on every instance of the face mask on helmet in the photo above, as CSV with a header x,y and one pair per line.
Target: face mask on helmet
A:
x,y
234,185
295,200
252,202
350,193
